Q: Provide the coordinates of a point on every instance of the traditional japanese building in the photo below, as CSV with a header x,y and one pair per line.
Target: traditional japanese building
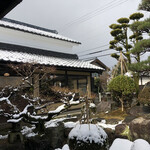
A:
x,y
25,43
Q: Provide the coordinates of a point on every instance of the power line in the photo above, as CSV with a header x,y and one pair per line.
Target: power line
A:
x,y
99,56
94,52
94,48
84,18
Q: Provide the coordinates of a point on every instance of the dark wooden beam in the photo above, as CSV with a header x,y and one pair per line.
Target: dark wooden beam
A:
x,y
7,5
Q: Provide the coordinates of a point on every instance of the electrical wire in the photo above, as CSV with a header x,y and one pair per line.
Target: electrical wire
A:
x,y
99,56
94,48
81,20
94,52
86,15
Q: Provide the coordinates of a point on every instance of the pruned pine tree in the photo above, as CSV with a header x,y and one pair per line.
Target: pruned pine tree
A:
x,y
121,41
145,5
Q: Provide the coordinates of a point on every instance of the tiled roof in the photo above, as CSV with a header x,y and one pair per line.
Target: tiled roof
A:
x,y
36,51
34,30
22,57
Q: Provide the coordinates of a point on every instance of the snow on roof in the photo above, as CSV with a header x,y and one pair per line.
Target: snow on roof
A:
x,y
22,57
35,31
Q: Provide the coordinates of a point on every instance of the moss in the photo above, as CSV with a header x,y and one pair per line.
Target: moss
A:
x,y
116,114
127,133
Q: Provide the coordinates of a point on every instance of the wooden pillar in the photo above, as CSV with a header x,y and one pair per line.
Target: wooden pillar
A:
x,y
75,84
89,86
66,79
36,85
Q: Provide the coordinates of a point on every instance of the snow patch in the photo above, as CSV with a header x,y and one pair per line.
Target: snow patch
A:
x,y
65,147
70,124
92,105
28,132
104,125
3,137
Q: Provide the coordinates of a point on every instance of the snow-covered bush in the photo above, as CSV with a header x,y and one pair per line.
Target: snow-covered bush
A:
x,y
87,136
140,144
124,144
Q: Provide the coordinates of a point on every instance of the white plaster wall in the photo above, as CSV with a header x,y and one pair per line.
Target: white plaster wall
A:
x,y
31,40
144,80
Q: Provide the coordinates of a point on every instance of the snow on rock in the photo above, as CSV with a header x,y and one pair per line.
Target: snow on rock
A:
x,y
92,105
88,133
104,125
70,124
140,144
3,137
28,132
65,147
14,120
31,134
23,112
59,109
121,144
54,122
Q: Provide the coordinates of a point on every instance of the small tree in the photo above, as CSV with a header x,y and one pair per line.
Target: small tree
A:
x,y
122,87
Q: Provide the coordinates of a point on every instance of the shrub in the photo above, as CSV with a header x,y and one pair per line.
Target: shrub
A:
x,y
122,87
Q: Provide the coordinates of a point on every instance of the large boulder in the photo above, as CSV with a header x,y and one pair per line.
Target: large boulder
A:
x,y
138,111
87,137
128,119
140,128
103,106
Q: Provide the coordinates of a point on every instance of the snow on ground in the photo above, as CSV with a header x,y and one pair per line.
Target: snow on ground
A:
x,y
88,132
104,125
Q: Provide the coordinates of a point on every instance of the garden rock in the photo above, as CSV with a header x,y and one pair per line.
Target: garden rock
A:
x,y
103,106
122,131
128,119
140,128
140,111
55,135
111,135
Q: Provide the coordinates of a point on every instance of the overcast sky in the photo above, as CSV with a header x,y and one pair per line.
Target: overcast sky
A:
x,y
86,21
